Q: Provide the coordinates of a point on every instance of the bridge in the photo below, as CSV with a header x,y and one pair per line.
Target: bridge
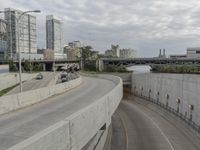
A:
x,y
48,64
100,63
144,61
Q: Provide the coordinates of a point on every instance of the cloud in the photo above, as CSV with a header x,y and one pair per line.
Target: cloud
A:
x,y
145,25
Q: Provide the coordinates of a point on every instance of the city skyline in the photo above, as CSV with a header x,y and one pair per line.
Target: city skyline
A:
x,y
143,25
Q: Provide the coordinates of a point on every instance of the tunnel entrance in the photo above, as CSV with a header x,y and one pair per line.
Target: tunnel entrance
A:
x,y
126,91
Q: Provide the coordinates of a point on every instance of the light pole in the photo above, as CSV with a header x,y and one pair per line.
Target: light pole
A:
x,y
19,51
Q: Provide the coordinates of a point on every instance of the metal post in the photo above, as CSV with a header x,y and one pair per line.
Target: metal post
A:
x,y
20,67
81,59
11,51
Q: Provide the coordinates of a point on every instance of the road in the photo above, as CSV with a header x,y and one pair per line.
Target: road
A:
x,y
4,69
32,84
20,125
140,125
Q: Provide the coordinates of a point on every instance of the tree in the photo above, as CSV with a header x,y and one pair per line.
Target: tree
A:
x,y
27,65
86,52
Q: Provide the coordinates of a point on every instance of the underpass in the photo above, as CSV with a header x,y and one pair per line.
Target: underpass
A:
x,y
141,125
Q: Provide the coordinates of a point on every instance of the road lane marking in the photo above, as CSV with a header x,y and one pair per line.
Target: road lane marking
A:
x,y
157,126
125,129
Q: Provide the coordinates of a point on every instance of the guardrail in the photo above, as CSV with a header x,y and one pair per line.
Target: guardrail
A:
x,y
11,79
173,111
75,131
17,101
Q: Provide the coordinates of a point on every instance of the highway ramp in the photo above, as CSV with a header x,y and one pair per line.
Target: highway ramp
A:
x,y
17,126
33,84
140,125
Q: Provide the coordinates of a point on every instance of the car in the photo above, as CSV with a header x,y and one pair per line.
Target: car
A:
x,y
64,77
39,76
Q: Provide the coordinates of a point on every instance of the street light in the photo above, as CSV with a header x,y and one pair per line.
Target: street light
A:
x,y
19,51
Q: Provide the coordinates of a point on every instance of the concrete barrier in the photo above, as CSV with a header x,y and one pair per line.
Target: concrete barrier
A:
x,y
184,87
74,132
16,101
10,79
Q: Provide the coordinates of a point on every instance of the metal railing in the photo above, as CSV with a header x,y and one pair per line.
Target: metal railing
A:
x,y
173,111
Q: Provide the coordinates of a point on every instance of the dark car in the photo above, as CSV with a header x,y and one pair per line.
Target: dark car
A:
x,y
39,76
64,77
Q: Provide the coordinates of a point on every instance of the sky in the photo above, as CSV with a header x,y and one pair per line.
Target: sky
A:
x,y
143,25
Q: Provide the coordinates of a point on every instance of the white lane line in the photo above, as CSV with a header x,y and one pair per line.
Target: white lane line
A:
x,y
125,129
157,126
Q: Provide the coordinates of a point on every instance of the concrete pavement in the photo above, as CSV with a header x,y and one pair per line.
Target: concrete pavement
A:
x,y
146,127
20,125
35,84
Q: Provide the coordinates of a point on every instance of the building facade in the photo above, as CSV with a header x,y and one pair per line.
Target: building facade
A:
x,y
193,53
180,56
54,36
26,27
70,52
127,53
3,39
73,50
113,52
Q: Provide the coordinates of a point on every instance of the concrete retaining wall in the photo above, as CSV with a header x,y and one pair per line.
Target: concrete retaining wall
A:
x,y
10,79
77,130
16,101
186,87
126,77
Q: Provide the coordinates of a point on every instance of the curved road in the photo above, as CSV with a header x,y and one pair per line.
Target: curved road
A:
x,y
20,125
48,78
140,125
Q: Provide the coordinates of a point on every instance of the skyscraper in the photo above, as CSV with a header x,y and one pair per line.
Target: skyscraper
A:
x,y
54,36
26,28
3,39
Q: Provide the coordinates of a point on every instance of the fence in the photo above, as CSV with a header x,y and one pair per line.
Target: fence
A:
x,y
175,112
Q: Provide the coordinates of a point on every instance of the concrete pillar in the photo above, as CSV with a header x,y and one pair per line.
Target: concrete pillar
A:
x,y
44,67
100,65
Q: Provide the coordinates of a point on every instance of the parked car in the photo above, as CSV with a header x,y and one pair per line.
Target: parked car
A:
x,y
39,76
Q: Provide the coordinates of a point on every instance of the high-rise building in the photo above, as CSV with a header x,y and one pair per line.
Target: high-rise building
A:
x,y
127,53
193,52
3,39
54,36
113,52
26,27
71,53
73,50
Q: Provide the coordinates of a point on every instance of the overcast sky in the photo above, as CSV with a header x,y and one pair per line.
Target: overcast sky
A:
x,y
144,25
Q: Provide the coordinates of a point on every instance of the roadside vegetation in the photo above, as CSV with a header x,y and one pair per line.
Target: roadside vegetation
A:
x,y
27,67
176,69
115,68
4,91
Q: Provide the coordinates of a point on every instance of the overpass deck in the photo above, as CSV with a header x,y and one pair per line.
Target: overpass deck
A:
x,y
20,125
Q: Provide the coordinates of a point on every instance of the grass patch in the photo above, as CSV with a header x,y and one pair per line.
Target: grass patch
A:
x,y
4,91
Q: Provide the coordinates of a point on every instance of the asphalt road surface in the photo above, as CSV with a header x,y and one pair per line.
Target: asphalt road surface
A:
x,y
22,124
140,125
34,83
